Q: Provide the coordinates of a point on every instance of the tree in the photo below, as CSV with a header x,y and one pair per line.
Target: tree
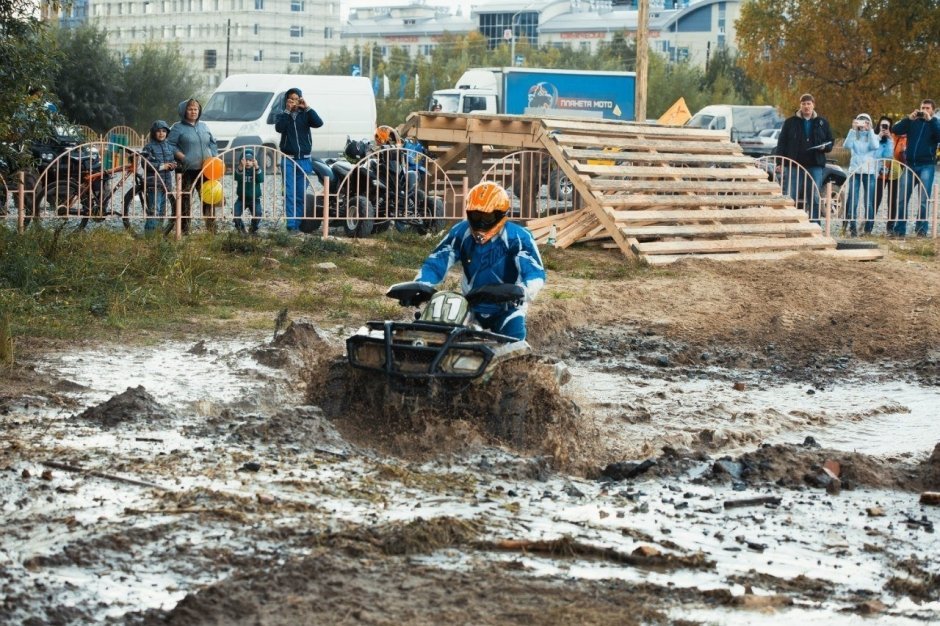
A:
x,y
25,51
853,55
87,80
155,80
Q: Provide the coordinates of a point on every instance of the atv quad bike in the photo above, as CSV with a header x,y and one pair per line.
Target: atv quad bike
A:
x,y
440,345
443,365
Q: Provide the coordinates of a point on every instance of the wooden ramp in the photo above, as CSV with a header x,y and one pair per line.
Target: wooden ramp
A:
x,y
657,192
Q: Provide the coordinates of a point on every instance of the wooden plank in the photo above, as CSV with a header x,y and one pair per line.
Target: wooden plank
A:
x,y
682,173
712,230
659,157
538,222
452,156
848,255
628,128
675,145
646,200
685,215
697,186
459,135
733,245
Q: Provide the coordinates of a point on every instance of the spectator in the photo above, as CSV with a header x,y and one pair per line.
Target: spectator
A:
x,y
805,138
493,251
887,185
248,179
192,144
923,134
865,147
294,125
159,154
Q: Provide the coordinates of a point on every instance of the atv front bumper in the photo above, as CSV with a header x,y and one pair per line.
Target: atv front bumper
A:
x,y
421,350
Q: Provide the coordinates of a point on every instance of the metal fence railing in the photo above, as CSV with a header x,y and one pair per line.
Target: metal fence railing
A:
x,y
111,184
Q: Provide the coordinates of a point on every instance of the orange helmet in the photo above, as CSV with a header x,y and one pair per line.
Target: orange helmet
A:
x,y
387,136
487,205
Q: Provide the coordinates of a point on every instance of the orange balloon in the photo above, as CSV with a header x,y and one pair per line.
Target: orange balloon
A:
x,y
213,168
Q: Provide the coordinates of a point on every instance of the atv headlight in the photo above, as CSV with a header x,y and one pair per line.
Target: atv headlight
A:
x,y
369,355
463,362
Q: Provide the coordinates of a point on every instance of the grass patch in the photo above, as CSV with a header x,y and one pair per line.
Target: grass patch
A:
x,y
915,247
104,283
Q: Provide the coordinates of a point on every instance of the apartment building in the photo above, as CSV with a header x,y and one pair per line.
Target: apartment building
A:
x,y
220,37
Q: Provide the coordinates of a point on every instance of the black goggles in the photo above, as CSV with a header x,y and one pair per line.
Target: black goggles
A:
x,y
482,221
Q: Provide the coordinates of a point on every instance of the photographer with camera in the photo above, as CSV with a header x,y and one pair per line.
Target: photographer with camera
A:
x,y
294,125
923,134
866,149
889,174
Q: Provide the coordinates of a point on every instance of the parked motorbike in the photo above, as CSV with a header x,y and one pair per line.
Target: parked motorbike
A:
x,y
373,189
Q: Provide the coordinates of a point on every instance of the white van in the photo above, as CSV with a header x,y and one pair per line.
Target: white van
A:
x,y
241,110
739,121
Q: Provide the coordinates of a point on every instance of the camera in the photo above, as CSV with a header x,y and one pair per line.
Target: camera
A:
x,y
920,115
885,126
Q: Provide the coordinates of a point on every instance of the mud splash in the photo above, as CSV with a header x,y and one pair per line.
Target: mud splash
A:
x,y
521,406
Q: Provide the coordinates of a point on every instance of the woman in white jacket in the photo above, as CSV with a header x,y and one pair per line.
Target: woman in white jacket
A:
x,y
866,149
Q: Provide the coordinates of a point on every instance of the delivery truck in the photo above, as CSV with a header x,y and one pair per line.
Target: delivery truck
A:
x,y
540,92
241,110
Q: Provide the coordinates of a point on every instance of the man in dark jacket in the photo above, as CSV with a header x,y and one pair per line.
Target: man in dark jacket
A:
x,y
805,138
923,134
294,125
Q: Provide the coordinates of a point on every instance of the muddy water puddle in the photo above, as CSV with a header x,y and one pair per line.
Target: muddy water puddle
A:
x,y
869,411
158,511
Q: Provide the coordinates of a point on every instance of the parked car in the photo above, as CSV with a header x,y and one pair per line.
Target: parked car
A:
x,y
761,144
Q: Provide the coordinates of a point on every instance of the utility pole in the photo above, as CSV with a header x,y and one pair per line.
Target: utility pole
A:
x,y
228,43
642,58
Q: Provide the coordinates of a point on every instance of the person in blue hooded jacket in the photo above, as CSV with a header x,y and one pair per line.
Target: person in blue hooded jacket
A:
x,y
294,124
492,251
192,144
159,179
923,135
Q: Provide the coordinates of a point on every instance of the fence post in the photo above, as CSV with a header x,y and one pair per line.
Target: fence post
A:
x,y
326,207
936,206
21,202
178,221
828,209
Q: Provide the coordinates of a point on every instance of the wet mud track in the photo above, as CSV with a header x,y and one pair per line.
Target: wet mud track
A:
x,y
208,492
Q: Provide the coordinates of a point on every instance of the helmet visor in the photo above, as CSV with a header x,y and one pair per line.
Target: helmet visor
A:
x,y
480,220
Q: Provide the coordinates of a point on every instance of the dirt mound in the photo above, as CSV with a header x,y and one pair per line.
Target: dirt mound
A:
x,y
367,576
134,404
520,406
299,345
792,466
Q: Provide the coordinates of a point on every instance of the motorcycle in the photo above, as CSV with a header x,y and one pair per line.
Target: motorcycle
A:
x,y
370,190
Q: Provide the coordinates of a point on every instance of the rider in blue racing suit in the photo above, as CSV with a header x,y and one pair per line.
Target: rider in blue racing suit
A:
x,y
492,250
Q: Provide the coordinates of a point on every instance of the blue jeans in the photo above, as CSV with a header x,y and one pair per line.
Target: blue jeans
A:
x,y
256,212
908,184
798,186
295,188
865,184
156,207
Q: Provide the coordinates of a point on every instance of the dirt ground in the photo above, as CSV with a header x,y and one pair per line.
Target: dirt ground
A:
x,y
806,319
